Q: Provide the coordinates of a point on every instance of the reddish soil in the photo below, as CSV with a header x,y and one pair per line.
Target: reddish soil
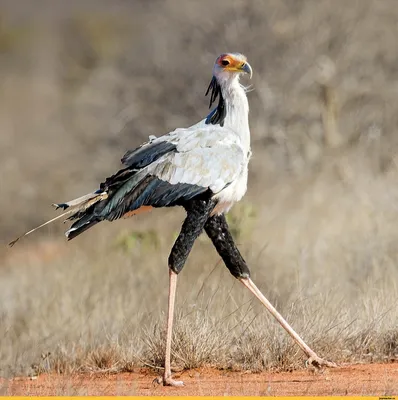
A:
x,y
369,379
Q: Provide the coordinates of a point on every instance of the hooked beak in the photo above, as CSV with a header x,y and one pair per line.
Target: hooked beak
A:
x,y
247,69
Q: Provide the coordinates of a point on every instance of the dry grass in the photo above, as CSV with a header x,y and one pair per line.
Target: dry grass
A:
x,y
101,308
318,226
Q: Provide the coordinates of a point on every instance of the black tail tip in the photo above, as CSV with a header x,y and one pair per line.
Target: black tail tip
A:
x,y
64,206
11,244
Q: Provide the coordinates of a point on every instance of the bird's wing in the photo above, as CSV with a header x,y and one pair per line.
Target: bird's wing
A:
x,y
173,168
163,172
208,157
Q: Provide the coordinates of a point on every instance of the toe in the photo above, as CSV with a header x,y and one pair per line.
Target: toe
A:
x,y
172,382
318,362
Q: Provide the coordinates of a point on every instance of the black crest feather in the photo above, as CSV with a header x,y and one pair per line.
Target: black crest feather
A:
x,y
217,116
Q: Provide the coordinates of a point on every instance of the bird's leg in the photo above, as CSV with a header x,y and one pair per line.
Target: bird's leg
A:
x,y
313,359
167,379
217,230
198,212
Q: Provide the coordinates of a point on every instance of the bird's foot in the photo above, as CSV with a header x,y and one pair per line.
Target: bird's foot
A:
x,y
167,381
171,382
319,362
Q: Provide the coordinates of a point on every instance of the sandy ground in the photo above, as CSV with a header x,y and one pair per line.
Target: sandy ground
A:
x,y
369,379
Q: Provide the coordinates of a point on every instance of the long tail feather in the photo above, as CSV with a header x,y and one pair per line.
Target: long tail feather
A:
x,y
74,207
40,226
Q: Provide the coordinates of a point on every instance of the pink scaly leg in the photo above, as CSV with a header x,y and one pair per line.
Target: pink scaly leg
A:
x,y
313,357
167,379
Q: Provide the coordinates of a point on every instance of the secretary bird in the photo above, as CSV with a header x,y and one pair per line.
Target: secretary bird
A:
x,y
204,169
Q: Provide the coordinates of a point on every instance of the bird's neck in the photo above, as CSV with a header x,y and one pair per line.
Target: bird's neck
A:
x,y
237,111
232,110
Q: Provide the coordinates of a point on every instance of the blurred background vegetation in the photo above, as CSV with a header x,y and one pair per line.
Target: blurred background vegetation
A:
x,y
83,81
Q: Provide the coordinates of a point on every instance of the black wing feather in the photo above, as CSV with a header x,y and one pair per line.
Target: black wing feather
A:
x,y
147,154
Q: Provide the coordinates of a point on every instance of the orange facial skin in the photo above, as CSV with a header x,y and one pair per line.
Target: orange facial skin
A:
x,y
234,62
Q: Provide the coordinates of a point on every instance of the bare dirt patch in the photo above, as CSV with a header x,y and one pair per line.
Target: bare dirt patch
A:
x,y
363,379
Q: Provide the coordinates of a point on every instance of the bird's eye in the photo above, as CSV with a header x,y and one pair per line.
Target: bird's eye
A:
x,y
225,62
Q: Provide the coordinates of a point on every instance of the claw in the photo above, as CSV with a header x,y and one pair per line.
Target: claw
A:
x,y
157,381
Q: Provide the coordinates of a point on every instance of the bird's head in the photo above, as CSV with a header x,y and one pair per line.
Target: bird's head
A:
x,y
227,69
231,65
